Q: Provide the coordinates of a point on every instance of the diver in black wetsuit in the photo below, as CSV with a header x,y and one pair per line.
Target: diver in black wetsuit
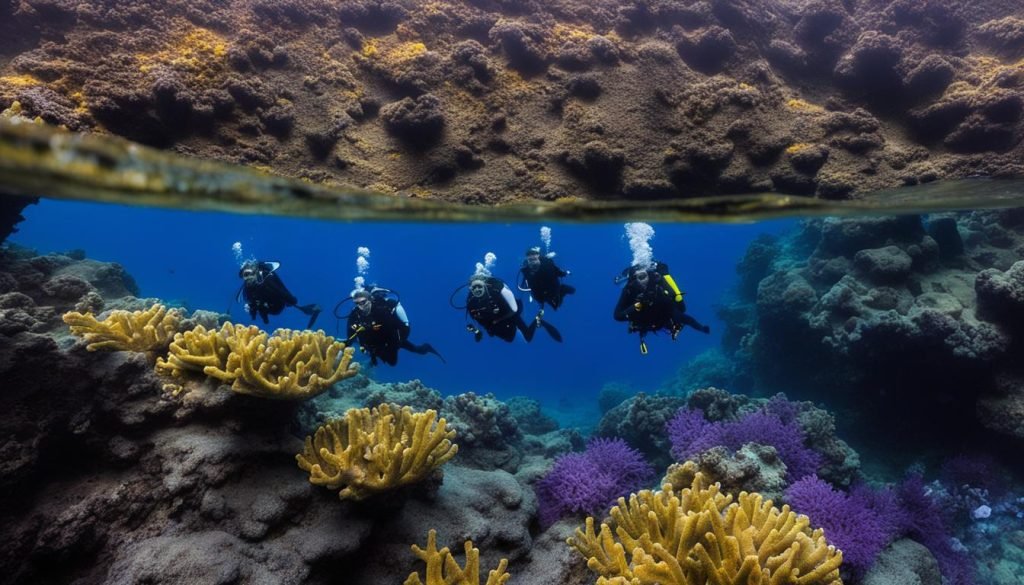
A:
x,y
493,306
265,294
381,326
651,301
543,279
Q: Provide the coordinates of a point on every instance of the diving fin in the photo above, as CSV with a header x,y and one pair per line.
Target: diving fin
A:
x,y
643,347
313,311
551,331
427,348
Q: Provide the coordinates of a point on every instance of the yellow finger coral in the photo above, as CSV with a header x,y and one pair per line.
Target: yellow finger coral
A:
x,y
443,569
700,536
372,451
195,350
147,330
287,365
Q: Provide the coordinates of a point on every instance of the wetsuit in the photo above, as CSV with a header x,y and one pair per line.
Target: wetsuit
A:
x,y
267,295
657,308
545,282
498,312
384,330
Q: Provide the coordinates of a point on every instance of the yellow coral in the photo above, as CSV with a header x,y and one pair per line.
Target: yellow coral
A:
x,y
443,569
20,80
195,350
372,451
147,330
795,148
288,364
803,106
700,536
199,52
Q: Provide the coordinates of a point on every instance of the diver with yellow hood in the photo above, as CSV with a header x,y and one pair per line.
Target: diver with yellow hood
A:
x,y
651,301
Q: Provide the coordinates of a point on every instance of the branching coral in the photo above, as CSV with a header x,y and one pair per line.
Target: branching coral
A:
x,y
591,481
288,364
147,330
443,569
700,536
373,451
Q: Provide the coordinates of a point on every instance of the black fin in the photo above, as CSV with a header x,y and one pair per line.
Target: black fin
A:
x,y
427,348
551,331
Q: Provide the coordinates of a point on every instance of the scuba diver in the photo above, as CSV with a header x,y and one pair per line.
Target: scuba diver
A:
x,y
541,277
266,294
652,301
493,306
381,326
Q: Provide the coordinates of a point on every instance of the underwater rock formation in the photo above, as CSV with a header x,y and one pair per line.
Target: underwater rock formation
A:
x,y
11,207
107,479
919,316
486,102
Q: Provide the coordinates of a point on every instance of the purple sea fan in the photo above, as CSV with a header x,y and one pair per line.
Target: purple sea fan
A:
x,y
767,429
850,521
690,433
924,522
590,482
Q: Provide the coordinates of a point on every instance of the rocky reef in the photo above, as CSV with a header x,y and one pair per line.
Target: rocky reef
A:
x,y
919,317
107,478
485,101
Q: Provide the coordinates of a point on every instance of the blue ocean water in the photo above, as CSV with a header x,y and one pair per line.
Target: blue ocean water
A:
x,y
187,257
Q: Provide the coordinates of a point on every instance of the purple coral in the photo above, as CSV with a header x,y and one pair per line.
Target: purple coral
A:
x,y
591,481
924,522
976,470
691,434
860,523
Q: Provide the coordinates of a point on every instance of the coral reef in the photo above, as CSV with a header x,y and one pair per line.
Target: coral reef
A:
x,y
801,439
701,535
149,330
443,569
487,102
373,451
105,479
860,523
289,365
918,315
640,421
591,481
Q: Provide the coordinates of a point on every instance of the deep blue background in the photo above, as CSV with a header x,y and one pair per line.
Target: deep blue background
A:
x,y
187,256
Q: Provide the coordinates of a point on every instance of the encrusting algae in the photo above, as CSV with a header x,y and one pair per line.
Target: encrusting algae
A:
x,y
141,331
291,365
374,451
443,569
700,536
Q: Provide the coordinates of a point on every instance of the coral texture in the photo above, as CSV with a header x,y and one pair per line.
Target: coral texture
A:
x,y
443,569
851,521
591,481
148,330
373,451
290,365
495,101
691,434
702,536
921,315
